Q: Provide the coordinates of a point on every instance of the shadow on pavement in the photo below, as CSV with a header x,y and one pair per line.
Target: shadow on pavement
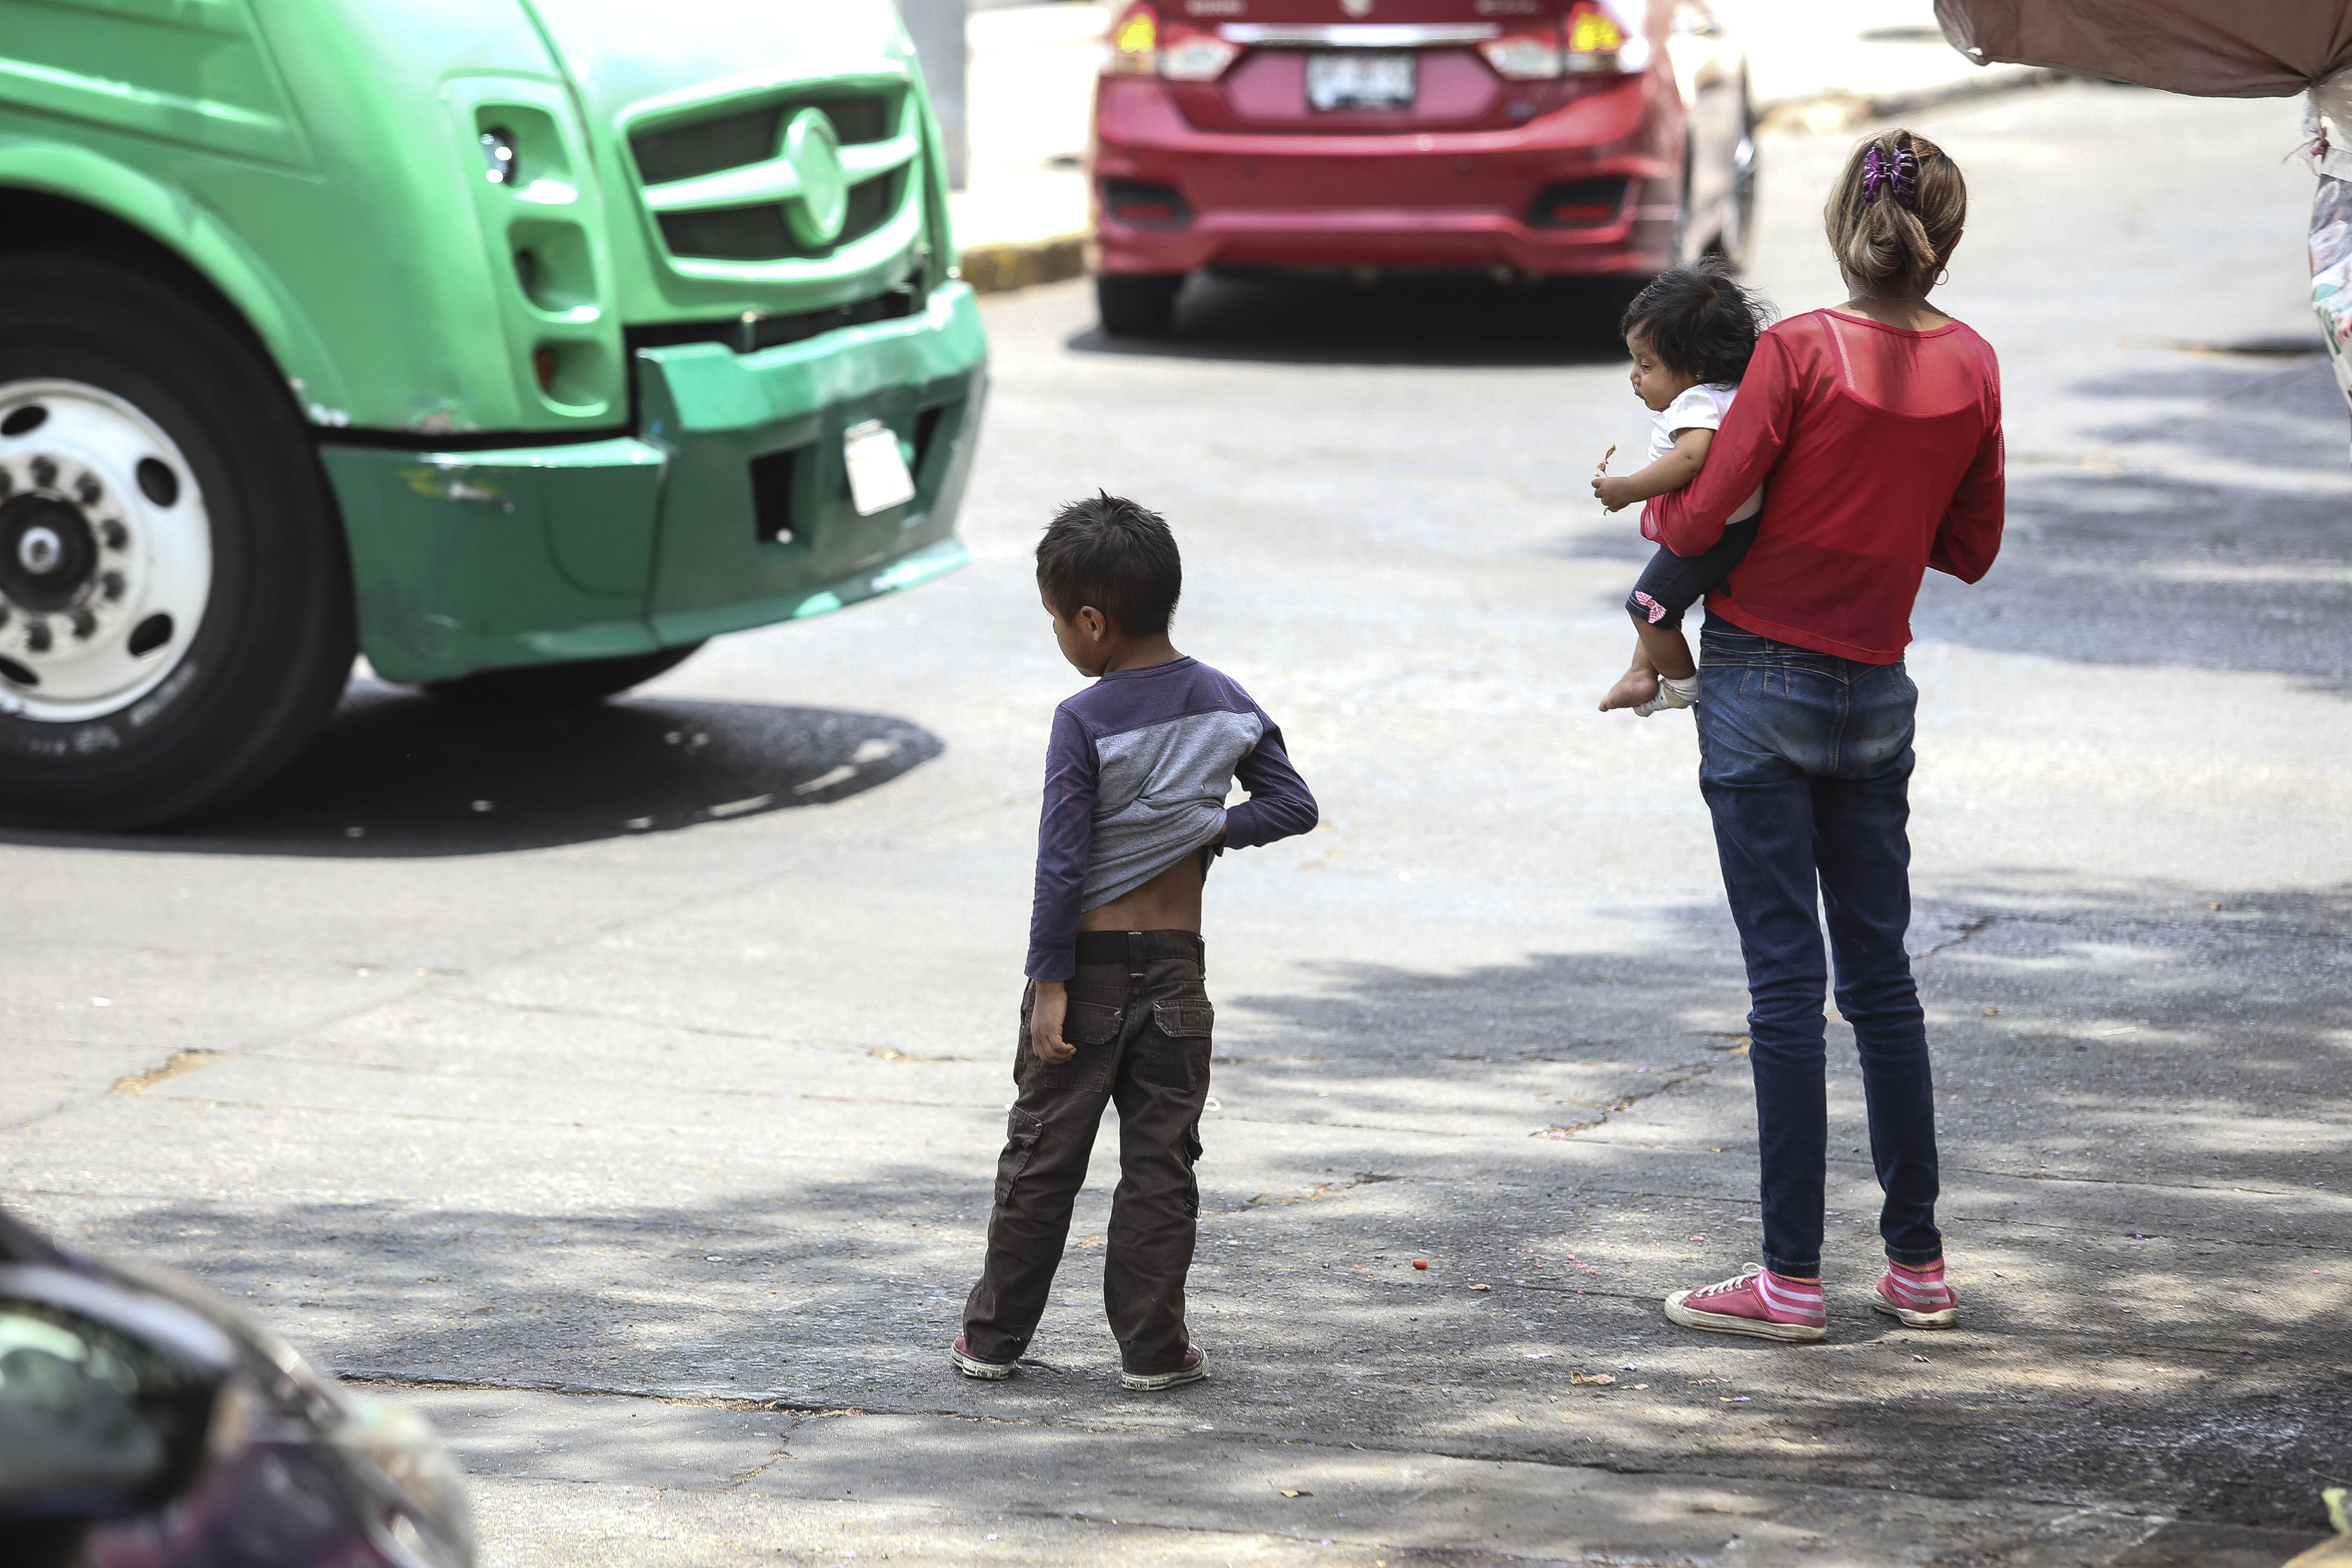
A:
x,y
398,773
1436,321
2138,1093
2119,563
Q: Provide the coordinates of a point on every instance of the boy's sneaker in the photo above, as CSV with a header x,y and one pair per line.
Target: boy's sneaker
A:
x,y
1917,1295
971,1365
1754,1301
1192,1369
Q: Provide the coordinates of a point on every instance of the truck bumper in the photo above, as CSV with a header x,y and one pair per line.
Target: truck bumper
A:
x,y
729,508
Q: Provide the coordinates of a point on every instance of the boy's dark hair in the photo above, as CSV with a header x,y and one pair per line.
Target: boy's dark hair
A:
x,y
1698,321
1120,557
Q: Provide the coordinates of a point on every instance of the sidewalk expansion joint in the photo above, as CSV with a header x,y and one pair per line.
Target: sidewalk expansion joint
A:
x,y
433,1384
1244,1435
2115,1182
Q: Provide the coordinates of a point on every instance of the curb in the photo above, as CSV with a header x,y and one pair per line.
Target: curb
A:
x,y
1016,264
1823,112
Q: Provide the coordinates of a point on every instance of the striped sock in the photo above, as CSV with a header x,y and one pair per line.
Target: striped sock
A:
x,y
1799,1300
1922,1290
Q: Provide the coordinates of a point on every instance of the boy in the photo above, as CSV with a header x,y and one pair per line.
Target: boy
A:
x,y
1136,778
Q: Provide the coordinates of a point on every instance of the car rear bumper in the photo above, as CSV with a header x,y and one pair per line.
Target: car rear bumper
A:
x,y
1312,239
1439,200
543,554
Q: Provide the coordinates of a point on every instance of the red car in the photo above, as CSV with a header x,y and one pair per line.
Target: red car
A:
x,y
1520,138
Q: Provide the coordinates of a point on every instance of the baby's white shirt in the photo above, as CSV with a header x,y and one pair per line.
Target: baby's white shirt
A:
x,y
1702,407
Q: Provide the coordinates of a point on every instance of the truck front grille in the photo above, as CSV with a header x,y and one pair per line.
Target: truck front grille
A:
x,y
731,141
757,233
695,173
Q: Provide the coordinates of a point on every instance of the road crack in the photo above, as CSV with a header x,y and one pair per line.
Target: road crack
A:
x,y
1618,1105
179,1062
1966,929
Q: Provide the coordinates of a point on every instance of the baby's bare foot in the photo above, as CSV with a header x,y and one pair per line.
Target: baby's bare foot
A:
x,y
1633,688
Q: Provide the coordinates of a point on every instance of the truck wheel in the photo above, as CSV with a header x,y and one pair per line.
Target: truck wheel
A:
x,y
175,603
1138,307
561,685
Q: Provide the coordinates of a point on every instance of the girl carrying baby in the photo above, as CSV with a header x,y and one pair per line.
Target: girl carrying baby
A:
x,y
1878,424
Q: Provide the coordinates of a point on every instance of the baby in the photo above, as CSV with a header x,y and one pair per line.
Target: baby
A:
x,y
1691,334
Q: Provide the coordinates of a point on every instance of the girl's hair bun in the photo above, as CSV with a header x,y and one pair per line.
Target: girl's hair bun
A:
x,y
1897,212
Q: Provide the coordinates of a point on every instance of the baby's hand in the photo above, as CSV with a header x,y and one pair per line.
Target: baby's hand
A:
x,y
1611,492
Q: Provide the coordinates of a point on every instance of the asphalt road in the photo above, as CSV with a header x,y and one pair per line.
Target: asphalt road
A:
x,y
625,1091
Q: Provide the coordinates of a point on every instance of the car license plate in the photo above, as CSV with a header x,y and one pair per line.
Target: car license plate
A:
x,y
1361,79
879,479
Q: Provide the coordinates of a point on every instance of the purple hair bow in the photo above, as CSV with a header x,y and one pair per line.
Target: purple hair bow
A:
x,y
1898,176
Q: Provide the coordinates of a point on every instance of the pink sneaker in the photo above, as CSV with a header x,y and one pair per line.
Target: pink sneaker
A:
x,y
1754,1301
1917,1295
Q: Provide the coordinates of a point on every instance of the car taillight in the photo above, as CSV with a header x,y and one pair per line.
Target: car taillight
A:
x,y
1589,38
1143,43
1524,56
1598,41
1187,56
1134,43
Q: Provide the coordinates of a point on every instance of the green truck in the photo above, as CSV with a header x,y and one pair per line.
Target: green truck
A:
x,y
521,345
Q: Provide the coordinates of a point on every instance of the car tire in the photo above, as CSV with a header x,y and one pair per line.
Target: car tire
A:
x,y
1735,238
177,620
561,685
1679,252
1138,307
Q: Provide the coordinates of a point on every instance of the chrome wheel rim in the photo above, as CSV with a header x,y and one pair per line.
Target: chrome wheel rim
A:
x,y
1738,208
106,552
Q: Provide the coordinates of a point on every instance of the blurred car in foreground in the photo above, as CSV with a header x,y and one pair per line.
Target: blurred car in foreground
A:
x,y
145,1423
1523,138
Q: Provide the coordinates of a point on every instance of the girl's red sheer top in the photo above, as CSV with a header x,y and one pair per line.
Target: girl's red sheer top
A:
x,y
1880,451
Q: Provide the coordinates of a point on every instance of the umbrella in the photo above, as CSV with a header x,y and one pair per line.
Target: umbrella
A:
x,y
2207,49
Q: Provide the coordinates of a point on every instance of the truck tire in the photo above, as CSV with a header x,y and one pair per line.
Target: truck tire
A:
x,y
176,602
1138,307
561,685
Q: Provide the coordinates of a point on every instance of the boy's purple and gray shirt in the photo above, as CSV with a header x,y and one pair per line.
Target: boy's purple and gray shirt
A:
x,y
1136,778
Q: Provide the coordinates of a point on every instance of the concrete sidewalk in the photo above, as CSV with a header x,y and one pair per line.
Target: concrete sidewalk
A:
x,y
655,1164
1820,66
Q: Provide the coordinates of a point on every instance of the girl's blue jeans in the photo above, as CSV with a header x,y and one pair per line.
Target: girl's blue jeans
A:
x,y
1805,760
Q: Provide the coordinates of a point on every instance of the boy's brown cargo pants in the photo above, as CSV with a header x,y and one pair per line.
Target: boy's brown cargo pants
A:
x,y
1140,1018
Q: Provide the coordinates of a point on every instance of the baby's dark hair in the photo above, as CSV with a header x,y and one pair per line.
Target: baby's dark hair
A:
x,y
1120,557
1698,321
